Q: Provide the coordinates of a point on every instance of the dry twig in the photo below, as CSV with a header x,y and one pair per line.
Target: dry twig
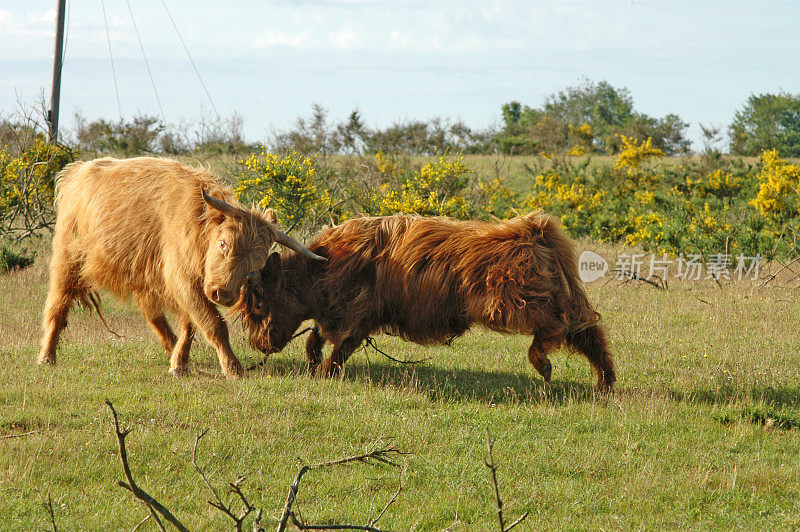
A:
x,y
152,505
220,505
772,277
9,436
380,455
48,505
498,502
634,276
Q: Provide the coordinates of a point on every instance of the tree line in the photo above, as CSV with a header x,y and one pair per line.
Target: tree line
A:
x,y
588,118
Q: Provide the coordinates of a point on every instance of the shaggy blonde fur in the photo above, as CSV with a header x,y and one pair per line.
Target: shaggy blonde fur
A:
x,y
141,227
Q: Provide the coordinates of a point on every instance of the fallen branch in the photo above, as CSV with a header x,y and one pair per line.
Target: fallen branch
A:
x,y
220,505
772,277
152,504
391,501
498,502
9,436
379,455
303,526
48,505
140,523
634,276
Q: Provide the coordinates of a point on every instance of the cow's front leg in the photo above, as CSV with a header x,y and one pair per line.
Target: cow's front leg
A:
x,y
314,345
341,352
209,321
537,354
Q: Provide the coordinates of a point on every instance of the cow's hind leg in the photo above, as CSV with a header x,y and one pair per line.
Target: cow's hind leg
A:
x,y
179,363
341,352
591,341
64,287
154,314
314,345
537,354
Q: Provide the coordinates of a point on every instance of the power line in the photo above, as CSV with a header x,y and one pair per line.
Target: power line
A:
x,y
186,49
111,55
149,73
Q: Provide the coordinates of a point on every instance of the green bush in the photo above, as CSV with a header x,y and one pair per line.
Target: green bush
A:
x,y
13,260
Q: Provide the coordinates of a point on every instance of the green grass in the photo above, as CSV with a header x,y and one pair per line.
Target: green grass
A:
x,y
700,432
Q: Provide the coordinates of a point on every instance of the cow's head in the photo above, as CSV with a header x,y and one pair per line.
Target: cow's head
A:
x,y
273,306
238,245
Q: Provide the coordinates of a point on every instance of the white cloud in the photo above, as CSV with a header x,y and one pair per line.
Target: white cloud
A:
x,y
291,39
26,24
346,39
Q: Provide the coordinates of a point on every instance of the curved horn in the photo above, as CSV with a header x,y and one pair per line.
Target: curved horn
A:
x,y
285,240
220,205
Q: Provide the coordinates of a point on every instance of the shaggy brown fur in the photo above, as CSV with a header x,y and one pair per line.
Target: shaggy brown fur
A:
x,y
428,280
143,227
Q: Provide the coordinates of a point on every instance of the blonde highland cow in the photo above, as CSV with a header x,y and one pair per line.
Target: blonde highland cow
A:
x,y
166,234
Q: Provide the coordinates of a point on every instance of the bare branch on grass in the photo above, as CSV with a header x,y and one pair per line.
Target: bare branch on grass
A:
x,y
382,455
10,436
219,504
152,504
140,523
634,276
498,501
772,277
390,502
48,505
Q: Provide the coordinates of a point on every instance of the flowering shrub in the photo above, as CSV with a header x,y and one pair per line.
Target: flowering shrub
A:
x,y
434,190
702,206
287,184
634,154
27,186
778,197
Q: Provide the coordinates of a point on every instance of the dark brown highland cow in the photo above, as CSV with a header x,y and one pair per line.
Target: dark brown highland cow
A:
x,y
169,235
428,280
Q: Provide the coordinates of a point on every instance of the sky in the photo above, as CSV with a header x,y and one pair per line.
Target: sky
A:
x,y
269,61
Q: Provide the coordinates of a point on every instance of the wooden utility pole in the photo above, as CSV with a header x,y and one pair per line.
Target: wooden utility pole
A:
x,y
55,93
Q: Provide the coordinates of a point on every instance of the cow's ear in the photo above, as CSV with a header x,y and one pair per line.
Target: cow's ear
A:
x,y
270,215
273,263
218,204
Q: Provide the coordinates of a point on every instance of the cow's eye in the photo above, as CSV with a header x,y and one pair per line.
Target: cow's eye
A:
x,y
223,246
259,305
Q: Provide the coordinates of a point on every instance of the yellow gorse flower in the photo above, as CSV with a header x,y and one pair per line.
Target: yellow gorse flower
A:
x,y
633,154
778,195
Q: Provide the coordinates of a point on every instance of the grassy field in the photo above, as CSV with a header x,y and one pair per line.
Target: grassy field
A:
x,y
700,432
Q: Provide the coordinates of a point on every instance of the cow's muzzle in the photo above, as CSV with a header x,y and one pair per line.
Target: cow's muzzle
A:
x,y
220,296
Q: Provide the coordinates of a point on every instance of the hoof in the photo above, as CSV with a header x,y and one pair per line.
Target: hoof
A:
x,y
328,371
46,360
547,371
179,372
233,371
606,381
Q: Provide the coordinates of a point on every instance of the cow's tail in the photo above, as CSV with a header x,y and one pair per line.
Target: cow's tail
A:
x,y
579,313
91,301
